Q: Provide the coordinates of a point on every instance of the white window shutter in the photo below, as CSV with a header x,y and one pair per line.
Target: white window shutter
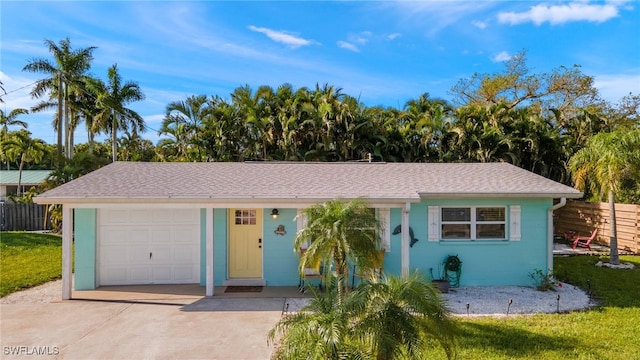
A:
x,y
514,223
434,223
301,223
385,221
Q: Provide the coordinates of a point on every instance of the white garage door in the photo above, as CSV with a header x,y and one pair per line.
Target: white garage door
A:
x,y
148,246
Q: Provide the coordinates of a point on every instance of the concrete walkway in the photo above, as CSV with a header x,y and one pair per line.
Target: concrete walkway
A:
x,y
144,323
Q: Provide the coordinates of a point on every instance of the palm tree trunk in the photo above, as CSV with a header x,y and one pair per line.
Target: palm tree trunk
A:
x,y
59,124
20,174
613,240
67,124
114,146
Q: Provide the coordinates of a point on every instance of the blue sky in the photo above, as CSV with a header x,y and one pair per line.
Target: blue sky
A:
x,y
384,52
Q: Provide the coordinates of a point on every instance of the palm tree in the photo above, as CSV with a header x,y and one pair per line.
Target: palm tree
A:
x,y
337,231
320,330
65,72
111,99
192,113
602,164
397,315
20,145
12,119
383,319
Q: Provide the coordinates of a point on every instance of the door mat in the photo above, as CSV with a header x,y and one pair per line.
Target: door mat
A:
x,y
242,289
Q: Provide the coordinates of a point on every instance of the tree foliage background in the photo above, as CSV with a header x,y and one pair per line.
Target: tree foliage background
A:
x,y
536,121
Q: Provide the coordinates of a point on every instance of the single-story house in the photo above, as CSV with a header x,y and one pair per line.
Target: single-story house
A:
x,y
234,223
9,181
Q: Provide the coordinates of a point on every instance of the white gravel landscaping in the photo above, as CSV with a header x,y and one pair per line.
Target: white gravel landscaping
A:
x,y
495,300
482,300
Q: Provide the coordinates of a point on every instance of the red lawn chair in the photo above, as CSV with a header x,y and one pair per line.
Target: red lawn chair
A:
x,y
584,241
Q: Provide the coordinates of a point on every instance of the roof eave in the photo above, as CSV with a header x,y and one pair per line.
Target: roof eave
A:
x,y
292,202
460,195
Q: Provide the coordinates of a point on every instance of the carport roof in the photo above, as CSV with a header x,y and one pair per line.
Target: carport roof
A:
x,y
301,181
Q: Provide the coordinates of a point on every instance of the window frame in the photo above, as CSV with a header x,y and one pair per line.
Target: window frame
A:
x,y
473,223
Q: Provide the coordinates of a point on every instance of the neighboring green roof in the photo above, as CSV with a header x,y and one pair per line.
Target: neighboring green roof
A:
x,y
29,177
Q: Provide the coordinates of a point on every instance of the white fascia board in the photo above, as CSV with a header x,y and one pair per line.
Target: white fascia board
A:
x,y
220,204
500,195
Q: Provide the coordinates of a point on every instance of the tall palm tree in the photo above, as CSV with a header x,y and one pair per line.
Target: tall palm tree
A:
x,y
336,232
20,145
389,318
111,99
602,164
192,113
64,73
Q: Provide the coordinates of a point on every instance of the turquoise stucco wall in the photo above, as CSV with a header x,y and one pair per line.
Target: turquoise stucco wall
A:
x,y
280,262
84,224
219,246
500,262
484,262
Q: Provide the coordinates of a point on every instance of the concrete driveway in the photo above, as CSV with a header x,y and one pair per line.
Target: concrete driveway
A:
x,y
153,327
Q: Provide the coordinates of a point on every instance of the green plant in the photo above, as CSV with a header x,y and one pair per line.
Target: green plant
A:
x,y
543,282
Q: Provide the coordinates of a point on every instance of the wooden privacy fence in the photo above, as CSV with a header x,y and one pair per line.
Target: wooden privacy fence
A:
x,y
24,217
583,217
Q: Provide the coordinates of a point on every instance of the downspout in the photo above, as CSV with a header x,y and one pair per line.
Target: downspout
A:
x,y
563,202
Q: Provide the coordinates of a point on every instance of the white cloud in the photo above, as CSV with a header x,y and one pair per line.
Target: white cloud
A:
x,y
393,36
348,46
282,37
360,38
479,24
502,56
559,14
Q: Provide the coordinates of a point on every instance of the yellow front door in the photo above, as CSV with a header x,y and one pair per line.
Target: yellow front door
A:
x,y
245,243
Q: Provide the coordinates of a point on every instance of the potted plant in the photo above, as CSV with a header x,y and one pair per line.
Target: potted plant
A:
x,y
451,268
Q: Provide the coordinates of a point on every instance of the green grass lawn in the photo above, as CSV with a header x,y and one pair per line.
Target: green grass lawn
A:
x,y
28,259
609,331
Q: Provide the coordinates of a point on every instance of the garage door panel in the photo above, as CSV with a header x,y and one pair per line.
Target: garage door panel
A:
x,y
183,234
138,274
138,235
114,236
182,273
184,255
112,255
115,216
140,216
137,254
162,235
185,215
162,274
162,216
115,276
162,254
149,246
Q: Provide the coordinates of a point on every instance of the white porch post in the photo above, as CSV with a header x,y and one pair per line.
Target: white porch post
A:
x,y
404,226
67,251
209,277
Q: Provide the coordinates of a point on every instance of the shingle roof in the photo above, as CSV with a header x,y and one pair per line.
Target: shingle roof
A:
x,y
29,177
210,182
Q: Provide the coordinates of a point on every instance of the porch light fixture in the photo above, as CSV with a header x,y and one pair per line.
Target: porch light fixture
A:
x,y
274,213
